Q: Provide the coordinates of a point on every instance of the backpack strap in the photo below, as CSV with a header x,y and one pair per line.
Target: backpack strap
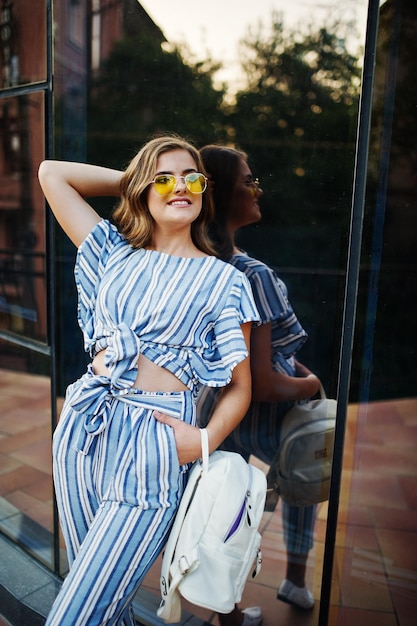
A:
x,y
204,448
172,572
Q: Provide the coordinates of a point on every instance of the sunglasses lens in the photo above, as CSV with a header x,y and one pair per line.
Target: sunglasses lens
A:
x,y
196,183
164,184
254,187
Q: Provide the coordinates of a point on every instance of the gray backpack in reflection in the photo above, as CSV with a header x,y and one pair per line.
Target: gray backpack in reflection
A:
x,y
300,471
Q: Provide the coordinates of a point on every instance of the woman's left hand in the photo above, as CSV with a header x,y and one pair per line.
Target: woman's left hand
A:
x,y
187,438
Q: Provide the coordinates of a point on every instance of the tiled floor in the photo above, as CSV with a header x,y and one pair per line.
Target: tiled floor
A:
x,y
375,573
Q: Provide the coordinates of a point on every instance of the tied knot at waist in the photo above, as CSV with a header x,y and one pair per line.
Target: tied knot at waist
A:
x,y
95,394
92,399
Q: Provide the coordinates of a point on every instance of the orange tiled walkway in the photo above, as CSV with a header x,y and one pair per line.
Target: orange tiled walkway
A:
x,y
375,574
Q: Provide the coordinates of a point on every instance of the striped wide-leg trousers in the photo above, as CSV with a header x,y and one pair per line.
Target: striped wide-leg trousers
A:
x,y
118,485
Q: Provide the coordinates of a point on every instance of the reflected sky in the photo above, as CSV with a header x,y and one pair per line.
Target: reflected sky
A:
x,y
218,25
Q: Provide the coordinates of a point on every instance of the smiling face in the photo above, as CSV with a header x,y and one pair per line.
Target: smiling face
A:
x,y
179,208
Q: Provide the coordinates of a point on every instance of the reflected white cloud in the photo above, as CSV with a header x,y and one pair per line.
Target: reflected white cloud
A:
x,y
217,25
213,28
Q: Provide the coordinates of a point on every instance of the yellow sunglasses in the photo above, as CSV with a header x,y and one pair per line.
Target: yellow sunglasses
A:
x,y
166,183
253,186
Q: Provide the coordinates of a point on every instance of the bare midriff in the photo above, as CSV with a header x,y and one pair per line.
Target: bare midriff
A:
x,y
150,377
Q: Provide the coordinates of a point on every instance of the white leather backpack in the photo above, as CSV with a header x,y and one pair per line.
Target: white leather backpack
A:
x,y
214,542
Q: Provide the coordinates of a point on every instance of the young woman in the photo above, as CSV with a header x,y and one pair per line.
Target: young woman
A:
x,y
278,379
160,316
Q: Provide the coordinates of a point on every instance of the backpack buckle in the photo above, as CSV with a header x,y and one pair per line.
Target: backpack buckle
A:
x,y
183,565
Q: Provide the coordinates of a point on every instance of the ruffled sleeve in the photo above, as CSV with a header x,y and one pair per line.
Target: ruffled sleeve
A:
x,y
92,257
229,347
271,297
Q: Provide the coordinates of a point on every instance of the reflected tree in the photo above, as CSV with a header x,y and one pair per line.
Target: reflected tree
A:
x,y
295,117
297,120
143,90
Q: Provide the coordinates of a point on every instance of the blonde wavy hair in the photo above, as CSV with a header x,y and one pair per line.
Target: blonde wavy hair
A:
x,y
132,215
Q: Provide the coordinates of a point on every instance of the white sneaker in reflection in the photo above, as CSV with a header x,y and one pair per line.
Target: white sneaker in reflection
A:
x,y
252,616
301,597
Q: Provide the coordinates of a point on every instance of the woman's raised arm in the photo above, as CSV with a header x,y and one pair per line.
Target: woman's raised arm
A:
x,y
65,185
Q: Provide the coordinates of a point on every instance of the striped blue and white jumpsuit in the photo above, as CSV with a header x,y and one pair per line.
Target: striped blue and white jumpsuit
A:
x,y
117,478
259,431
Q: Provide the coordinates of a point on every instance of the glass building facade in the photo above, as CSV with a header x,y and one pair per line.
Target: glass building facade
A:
x,y
327,114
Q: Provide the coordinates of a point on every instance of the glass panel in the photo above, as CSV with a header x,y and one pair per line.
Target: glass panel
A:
x,y
288,95
376,564
22,217
26,506
22,42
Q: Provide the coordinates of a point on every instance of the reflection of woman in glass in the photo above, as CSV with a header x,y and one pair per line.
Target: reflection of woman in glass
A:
x,y
160,316
277,377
